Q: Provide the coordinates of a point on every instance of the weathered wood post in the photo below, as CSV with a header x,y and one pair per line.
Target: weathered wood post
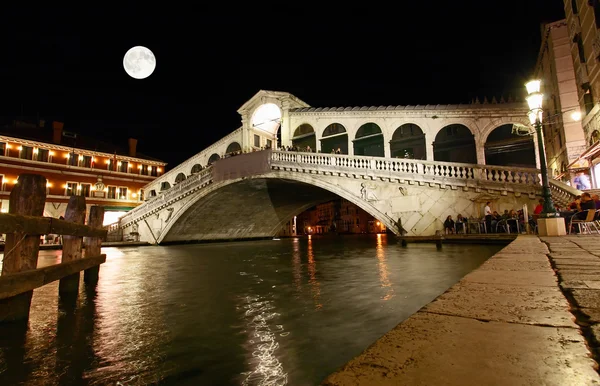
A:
x,y
28,197
72,245
93,245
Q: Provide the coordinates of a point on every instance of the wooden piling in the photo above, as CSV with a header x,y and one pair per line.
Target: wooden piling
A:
x,y
28,197
93,245
72,245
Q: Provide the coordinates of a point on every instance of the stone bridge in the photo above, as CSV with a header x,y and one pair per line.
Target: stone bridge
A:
x,y
253,195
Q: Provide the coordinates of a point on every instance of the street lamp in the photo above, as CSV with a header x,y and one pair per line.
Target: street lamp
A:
x,y
534,100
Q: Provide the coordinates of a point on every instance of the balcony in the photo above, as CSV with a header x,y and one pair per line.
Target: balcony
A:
x,y
583,79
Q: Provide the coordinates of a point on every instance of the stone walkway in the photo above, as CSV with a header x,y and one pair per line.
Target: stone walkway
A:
x,y
506,323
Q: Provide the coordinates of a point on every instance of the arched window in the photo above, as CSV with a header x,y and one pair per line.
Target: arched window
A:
x,y
197,168
180,177
369,140
233,147
213,158
165,186
334,137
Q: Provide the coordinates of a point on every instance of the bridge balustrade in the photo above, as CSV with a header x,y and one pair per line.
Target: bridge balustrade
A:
x,y
472,175
427,170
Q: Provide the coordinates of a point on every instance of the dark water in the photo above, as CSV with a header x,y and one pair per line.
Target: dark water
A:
x,y
253,313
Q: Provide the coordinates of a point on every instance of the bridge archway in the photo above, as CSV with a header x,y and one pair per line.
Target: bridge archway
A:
x,y
334,137
369,141
269,202
304,136
408,141
455,143
213,158
179,178
233,148
503,148
197,168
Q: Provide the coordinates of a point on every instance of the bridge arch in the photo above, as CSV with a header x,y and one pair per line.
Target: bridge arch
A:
x,y
334,137
233,147
214,157
179,178
197,168
258,217
304,135
455,142
408,141
503,148
369,140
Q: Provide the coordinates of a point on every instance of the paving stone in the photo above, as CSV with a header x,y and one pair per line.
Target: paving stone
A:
x,y
513,278
567,275
516,265
576,263
431,349
582,255
587,298
506,303
521,256
593,314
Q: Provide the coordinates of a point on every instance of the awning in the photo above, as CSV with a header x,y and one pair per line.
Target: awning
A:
x,y
588,153
118,208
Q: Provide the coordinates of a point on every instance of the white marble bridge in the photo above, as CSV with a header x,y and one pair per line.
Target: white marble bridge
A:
x,y
253,195
405,165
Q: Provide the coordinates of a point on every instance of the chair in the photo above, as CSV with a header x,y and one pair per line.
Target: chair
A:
x,y
586,224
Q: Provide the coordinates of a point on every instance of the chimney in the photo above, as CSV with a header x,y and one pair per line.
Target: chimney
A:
x,y
132,146
58,131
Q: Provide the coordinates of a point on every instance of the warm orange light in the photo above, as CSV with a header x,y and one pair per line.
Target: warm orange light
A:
x,y
158,169
140,167
48,185
51,153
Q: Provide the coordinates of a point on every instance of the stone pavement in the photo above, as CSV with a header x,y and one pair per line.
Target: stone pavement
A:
x,y
576,260
506,323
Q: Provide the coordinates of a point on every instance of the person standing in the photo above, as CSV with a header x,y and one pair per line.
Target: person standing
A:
x,y
487,212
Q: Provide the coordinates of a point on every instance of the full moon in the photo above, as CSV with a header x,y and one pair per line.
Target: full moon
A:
x,y
139,62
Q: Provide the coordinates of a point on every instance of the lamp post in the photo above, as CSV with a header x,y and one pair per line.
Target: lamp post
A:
x,y
534,100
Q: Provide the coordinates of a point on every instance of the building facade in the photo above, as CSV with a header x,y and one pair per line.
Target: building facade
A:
x,y
583,22
564,138
74,165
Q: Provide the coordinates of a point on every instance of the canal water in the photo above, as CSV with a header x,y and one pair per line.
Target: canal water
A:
x,y
273,312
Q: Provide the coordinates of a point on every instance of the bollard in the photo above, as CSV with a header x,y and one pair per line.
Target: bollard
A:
x,y
93,245
28,197
72,245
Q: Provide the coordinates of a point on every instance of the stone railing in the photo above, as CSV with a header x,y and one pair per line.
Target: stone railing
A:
x,y
562,193
418,170
525,180
176,192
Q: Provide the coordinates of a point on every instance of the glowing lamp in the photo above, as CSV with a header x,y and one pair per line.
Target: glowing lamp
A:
x,y
533,86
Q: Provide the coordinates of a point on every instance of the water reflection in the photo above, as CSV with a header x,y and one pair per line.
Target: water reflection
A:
x,y
229,313
266,369
297,265
383,269
312,273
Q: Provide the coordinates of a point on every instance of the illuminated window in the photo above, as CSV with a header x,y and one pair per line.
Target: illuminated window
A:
x,y
85,190
124,167
111,164
154,171
26,152
73,159
71,189
43,155
86,162
112,192
122,193
145,169
2,148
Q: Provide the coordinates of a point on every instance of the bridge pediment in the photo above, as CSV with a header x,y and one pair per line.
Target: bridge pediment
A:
x,y
280,98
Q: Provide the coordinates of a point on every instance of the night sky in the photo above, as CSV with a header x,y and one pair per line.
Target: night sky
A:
x,y
67,63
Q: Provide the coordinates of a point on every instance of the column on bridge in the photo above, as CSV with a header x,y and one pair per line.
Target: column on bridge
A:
x,y
429,150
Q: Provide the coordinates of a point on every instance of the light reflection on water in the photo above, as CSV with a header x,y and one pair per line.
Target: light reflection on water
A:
x,y
252,313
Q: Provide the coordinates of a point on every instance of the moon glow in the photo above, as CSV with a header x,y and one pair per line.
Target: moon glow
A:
x,y
139,62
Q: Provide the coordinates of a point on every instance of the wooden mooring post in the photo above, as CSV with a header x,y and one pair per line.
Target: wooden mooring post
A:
x,y
23,226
